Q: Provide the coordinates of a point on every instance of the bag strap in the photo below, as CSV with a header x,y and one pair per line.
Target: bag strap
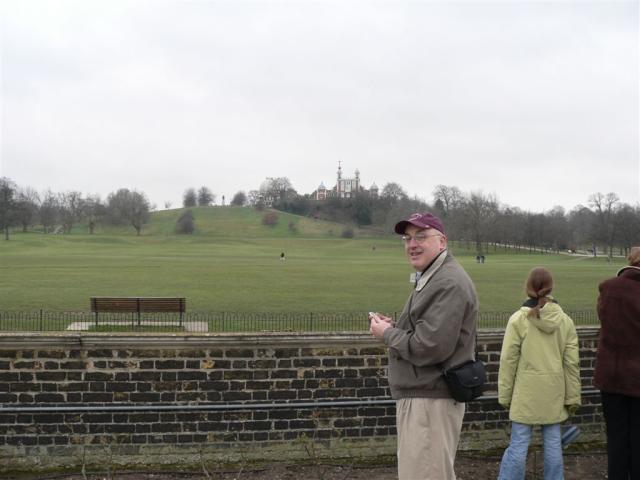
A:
x,y
475,356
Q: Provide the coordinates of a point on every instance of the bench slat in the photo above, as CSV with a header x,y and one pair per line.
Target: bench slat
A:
x,y
138,304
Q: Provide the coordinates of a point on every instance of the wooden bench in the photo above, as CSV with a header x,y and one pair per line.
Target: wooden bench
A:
x,y
138,305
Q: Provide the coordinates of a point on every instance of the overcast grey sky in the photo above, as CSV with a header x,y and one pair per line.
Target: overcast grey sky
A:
x,y
537,102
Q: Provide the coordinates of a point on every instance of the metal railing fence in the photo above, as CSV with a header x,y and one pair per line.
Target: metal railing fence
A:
x,y
211,322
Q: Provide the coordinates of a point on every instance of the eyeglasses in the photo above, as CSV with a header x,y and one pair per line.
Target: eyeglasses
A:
x,y
419,237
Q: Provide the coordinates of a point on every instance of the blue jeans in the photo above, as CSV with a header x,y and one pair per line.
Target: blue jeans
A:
x,y
515,456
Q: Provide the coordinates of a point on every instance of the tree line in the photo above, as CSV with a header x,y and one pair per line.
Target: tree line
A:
x,y
60,212
604,225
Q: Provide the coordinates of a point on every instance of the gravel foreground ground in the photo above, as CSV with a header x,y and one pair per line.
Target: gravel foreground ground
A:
x,y
582,466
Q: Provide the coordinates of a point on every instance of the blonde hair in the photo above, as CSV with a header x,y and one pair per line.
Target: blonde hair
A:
x,y
539,284
634,257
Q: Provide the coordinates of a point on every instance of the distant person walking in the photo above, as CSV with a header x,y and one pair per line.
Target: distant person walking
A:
x,y
282,257
539,377
617,372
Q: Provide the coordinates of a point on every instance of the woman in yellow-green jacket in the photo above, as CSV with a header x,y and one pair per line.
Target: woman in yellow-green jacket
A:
x,y
539,377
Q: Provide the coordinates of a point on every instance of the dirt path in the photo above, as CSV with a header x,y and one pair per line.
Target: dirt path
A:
x,y
583,466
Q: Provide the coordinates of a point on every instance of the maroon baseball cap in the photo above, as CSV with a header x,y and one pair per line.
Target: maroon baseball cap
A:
x,y
420,220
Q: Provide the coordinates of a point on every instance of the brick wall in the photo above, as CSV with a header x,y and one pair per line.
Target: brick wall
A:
x,y
69,399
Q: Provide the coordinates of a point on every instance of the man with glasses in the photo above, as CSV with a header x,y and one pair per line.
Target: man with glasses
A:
x,y
436,330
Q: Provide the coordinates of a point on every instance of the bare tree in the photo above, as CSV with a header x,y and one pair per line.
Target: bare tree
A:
x,y
94,210
480,213
128,207
534,227
7,204
190,198
400,209
71,208
447,198
448,202
49,211
205,197
509,228
282,188
582,227
627,220
27,205
556,232
253,197
276,189
393,192
605,207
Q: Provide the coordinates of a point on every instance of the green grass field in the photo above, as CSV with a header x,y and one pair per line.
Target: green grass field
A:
x,y
232,264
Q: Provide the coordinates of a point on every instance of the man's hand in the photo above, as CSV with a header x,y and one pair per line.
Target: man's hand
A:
x,y
379,323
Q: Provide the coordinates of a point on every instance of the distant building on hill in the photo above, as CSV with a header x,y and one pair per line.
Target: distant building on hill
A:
x,y
344,187
273,190
321,193
347,187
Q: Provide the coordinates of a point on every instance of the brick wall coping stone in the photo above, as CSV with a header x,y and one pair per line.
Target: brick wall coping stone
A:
x,y
189,340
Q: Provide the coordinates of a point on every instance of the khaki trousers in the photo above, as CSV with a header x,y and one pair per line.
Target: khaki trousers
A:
x,y
428,435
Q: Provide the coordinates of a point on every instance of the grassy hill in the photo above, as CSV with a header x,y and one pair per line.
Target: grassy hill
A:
x,y
232,264
229,222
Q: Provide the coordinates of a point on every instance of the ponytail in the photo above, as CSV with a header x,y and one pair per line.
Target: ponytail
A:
x,y
538,287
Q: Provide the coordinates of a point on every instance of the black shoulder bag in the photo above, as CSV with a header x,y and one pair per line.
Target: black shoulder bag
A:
x,y
466,380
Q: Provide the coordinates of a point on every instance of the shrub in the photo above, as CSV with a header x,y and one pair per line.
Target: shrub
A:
x,y
347,232
185,223
239,199
270,219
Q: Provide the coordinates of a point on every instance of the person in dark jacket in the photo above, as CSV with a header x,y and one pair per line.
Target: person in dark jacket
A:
x,y
617,372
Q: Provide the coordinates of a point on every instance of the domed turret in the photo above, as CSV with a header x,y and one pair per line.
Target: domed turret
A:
x,y
321,192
